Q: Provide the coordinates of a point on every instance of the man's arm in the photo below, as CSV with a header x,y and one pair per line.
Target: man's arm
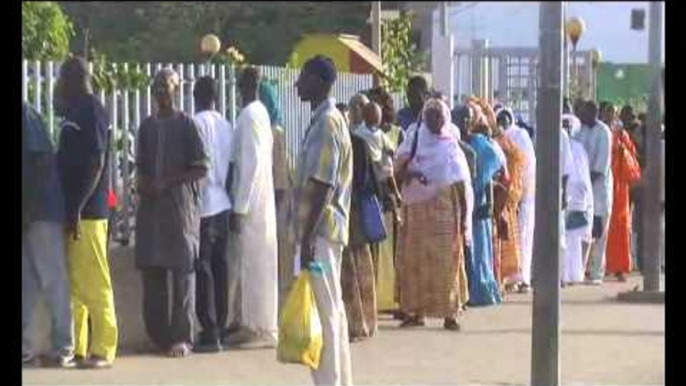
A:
x,y
564,192
318,194
246,167
600,162
95,167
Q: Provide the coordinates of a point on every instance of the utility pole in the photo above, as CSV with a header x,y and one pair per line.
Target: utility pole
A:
x,y
376,35
651,200
376,27
565,57
652,178
545,353
444,18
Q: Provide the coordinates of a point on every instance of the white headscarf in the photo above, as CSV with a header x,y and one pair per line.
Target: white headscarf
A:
x,y
575,123
439,157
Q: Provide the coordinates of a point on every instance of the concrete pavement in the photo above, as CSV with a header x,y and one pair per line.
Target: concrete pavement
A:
x,y
603,342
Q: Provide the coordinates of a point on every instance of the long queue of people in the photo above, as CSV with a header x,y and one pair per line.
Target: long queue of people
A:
x,y
467,179
420,213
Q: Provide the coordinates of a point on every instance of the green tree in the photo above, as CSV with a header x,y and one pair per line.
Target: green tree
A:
x,y
45,31
171,31
400,55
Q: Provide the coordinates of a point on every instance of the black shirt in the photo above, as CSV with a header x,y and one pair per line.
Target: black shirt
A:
x,y
84,135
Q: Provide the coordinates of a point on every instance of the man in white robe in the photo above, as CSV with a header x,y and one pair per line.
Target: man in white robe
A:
x,y
254,214
579,205
597,140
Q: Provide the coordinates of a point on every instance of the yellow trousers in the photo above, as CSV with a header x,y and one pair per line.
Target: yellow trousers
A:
x,y
91,291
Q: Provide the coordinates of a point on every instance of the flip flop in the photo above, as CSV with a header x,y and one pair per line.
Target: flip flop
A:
x,y
413,321
451,324
179,350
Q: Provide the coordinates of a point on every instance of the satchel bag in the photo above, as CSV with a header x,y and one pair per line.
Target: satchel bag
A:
x,y
371,212
576,219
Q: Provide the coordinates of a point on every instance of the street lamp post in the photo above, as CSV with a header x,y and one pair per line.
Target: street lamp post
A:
x,y
209,46
596,57
574,28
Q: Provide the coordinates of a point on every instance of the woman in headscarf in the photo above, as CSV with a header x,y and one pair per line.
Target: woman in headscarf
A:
x,y
509,232
432,275
625,172
282,191
483,287
526,208
357,269
385,264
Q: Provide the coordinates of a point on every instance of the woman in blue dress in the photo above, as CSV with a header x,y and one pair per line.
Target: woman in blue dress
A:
x,y
483,288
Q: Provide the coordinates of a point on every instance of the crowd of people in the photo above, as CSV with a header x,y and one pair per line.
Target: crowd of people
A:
x,y
420,213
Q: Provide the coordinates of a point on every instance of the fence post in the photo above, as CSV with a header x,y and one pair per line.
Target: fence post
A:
x,y
49,109
191,79
126,181
181,87
222,89
25,80
37,78
232,93
148,98
137,102
114,177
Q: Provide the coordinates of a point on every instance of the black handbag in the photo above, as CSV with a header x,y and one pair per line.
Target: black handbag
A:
x,y
576,219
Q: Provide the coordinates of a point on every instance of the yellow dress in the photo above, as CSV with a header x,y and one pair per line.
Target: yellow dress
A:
x,y
386,293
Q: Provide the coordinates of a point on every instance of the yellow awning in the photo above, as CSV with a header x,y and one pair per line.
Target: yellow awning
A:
x,y
354,44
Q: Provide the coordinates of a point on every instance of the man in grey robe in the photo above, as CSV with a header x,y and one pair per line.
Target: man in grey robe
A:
x,y
171,161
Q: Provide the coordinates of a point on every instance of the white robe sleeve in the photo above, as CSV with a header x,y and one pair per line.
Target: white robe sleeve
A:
x,y
246,159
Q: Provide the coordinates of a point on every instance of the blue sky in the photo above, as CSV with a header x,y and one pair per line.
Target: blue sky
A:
x,y
515,24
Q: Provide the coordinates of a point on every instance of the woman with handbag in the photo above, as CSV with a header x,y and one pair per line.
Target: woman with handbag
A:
x,y
432,275
626,171
357,270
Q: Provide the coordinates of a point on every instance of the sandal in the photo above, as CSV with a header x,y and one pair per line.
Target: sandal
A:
x,y
96,362
510,287
413,321
523,288
179,350
451,324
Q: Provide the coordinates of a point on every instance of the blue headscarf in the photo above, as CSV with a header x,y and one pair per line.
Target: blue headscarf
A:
x,y
268,99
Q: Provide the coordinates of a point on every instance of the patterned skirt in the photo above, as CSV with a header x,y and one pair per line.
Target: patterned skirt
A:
x,y
358,278
431,266
510,252
286,239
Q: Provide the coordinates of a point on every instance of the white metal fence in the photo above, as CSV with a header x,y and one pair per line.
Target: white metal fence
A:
x,y
128,108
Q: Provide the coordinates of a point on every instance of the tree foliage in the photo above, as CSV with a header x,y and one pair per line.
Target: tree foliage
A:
x,y
107,75
400,55
45,31
166,32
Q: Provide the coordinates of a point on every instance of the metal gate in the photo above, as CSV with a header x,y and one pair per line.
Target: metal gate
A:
x,y
510,76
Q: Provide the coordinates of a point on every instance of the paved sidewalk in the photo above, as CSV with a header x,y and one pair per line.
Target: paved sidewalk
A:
x,y
603,342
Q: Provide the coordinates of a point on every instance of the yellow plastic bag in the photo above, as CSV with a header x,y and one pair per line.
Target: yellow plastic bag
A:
x,y
300,330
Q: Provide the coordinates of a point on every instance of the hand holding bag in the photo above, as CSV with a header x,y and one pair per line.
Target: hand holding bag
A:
x,y
300,329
